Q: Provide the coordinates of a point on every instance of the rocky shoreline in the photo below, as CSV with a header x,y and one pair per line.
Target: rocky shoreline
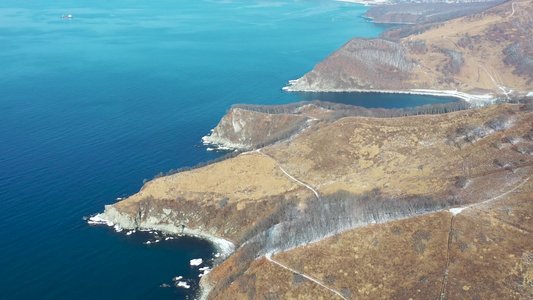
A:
x,y
121,221
244,130
112,217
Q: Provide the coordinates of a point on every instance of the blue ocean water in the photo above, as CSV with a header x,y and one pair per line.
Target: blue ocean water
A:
x,y
91,106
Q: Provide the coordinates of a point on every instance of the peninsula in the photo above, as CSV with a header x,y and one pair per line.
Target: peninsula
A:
x,y
336,202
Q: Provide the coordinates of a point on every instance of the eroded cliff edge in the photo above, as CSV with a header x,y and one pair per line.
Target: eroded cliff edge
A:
x,y
487,53
364,171
244,129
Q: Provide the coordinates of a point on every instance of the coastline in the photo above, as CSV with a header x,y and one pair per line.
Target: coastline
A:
x,y
221,144
113,218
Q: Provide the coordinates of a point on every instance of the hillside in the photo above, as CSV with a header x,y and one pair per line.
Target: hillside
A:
x,y
484,252
370,171
487,53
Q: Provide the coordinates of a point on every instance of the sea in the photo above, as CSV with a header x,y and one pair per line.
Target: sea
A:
x,y
91,106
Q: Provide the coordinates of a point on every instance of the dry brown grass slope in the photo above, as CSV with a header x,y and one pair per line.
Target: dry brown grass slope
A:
x,y
485,42
408,258
456,158
411,155
484,252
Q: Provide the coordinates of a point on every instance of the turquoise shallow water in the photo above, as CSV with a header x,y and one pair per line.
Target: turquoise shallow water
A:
x,y
91,106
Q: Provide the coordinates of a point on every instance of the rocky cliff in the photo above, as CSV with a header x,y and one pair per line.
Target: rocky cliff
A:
x,y
483,53
245,129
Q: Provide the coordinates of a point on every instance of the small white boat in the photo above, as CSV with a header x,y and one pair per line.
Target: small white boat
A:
x,y
66,16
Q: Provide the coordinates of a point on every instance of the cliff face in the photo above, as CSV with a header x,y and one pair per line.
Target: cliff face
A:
x,y
487,52
244,129
369,171
385,65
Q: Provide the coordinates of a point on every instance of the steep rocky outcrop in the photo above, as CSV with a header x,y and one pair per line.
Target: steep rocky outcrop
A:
x,y
245,129
385,65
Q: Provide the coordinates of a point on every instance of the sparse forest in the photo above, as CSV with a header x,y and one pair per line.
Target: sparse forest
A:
x,y
471,133
454,64
289,227
521,57
339,110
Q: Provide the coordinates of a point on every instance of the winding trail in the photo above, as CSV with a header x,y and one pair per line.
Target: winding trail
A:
x,y
289,175
447,271
456,211
512,13
269,257
503,194
519,229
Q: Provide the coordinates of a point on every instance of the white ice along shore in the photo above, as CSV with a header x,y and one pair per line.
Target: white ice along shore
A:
x,y
368,2
111,217
220,144
97,220
196,262
183,284
205,271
